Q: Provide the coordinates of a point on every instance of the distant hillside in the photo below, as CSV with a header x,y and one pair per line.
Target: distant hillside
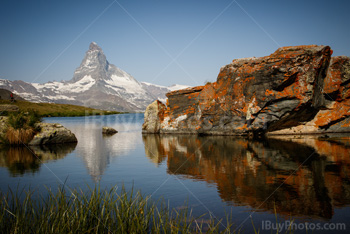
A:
x,y
53,109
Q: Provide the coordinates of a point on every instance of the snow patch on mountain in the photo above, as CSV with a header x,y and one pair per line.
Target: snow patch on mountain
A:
x,y
127,84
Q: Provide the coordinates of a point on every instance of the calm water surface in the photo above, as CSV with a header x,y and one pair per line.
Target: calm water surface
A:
x,y
306,179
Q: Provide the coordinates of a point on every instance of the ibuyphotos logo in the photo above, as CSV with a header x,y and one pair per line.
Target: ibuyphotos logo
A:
x,y
290,225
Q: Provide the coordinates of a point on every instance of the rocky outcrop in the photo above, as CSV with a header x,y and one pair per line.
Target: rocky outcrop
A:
x,y
108,131
335,115
154,115
52,133
293,87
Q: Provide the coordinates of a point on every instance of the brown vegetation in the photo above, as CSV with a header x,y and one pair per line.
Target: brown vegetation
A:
x,y
19,136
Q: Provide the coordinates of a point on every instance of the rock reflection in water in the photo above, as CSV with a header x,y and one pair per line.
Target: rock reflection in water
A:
x,y
21,160
300,176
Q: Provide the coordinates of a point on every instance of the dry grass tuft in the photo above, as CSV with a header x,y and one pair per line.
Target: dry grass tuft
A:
x,y
19,136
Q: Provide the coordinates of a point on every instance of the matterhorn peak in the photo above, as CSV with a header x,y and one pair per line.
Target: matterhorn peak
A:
x,y
94,46
94,64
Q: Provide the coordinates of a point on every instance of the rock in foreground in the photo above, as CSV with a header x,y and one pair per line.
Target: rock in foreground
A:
x,y
292,88
53,133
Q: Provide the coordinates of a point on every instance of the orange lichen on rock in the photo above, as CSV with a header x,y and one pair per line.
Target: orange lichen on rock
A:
x,y
337,111
283,90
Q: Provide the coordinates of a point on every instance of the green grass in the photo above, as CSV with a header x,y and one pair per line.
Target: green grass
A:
x,y
95,211
57,110
23,120
101,211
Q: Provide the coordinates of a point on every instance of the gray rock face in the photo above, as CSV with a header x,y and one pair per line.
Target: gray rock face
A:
x,y
52,133
108,131
153,116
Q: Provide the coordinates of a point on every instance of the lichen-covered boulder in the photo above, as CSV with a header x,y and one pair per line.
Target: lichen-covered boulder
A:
x,y
53,133
154,115
295,90
108,131
335,115
259,94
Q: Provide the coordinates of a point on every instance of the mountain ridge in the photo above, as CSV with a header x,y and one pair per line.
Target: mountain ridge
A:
x,y
96,83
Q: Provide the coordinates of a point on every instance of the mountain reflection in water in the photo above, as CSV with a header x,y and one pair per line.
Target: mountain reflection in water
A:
x,y
306,177
20,160
97,150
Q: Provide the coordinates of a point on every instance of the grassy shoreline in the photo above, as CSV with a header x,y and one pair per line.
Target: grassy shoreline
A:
x,y
57,110
96,211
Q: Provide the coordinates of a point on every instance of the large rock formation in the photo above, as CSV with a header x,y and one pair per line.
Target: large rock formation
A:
x,y
291,88
334,116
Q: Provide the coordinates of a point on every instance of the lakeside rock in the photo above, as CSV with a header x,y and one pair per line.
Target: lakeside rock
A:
x,y
50,133
154,116
295,90
108,131
53,133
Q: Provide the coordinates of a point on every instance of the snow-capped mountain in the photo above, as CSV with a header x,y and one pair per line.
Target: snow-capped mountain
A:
x,y
96,83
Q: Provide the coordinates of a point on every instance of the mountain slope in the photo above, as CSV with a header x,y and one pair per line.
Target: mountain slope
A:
x,y
99,84
96,83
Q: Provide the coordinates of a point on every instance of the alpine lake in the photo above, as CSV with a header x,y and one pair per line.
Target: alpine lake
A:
x,y
299,179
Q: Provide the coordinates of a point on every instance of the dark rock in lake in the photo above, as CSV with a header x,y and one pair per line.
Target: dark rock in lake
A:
x,y
108,131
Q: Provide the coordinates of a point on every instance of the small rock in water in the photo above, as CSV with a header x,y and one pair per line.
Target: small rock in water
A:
x,y
108,131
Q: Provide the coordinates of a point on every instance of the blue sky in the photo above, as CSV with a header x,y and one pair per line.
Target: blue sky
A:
x,y
160,41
